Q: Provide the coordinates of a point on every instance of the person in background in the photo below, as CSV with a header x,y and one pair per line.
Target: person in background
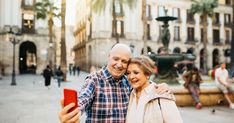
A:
x,y
233,76
47,74
70,69
78,70
222,81
105,95
192,80
59,76
74,70
145,105
92,69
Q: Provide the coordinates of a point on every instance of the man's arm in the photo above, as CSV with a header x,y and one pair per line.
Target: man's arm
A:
x,y
85,97
86,94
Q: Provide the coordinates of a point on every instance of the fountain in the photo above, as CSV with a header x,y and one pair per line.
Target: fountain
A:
x,y
165,61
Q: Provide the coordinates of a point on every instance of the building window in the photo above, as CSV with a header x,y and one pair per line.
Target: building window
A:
x,y
202,35
190,18
28,23
227,18
190,34
148,32
216,21
216,39
118,8
120,28
176,33
227,35
228,2
148,11
161,11
176,13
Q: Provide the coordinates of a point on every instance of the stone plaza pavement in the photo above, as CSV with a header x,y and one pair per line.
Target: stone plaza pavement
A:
x,y
31,102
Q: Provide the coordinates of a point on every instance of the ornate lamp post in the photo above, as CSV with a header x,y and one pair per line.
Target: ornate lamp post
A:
x,y
12,37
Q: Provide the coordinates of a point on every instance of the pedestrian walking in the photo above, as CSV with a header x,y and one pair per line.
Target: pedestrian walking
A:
x,y
192,80
105,95
92,69
74,70
70,69
47,74
59,76
78,70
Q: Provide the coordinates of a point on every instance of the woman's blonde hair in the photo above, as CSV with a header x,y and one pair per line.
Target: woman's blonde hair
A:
x,y
147,65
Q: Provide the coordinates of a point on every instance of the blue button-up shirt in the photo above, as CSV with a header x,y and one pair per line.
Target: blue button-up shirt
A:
x,y
104,99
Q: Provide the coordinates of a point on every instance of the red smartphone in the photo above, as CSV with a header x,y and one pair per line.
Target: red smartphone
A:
x,y
70,96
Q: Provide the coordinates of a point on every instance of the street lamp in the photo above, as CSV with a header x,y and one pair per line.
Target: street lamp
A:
x,y
12,37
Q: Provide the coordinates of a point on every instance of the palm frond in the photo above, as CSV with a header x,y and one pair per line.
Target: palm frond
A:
x,y
98,6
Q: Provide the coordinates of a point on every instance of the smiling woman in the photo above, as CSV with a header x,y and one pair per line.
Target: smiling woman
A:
x,y
145,104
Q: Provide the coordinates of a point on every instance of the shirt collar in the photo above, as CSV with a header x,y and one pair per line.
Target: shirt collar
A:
x,y
109,77
146,90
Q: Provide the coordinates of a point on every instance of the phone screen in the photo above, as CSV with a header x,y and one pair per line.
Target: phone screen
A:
x,y
70,96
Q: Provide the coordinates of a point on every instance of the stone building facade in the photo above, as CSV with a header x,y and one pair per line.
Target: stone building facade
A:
x,y
31,53
94,31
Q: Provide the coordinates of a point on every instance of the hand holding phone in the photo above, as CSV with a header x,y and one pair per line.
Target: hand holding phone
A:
x,y
70,96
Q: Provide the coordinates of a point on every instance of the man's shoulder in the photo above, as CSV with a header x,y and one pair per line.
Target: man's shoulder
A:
x,y
95,76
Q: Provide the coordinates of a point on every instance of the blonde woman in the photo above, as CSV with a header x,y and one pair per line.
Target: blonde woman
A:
x,y
145,105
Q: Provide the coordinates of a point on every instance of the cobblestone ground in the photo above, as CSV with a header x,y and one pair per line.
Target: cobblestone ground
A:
x,y
31,102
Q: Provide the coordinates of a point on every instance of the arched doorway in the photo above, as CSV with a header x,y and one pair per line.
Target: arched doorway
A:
x,y
215,57
202,59
28,57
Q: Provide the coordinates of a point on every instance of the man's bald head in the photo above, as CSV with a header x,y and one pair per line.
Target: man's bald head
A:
x,y
121,48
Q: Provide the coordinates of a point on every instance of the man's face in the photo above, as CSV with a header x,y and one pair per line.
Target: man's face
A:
x,y
118,63
223,65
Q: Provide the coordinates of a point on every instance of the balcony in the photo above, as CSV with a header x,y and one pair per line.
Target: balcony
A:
x,y
217,43
228,24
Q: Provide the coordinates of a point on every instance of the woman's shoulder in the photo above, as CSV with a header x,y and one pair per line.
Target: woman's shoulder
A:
x,y
154,95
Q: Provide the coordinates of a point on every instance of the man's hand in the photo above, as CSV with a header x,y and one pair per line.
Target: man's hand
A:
x,y
162,88
69,117
164,91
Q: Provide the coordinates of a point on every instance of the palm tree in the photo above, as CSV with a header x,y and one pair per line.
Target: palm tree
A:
x,y
100,5
206,9
63,60
46,10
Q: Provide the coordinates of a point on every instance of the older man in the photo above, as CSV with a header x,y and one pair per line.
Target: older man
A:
x,y
105,95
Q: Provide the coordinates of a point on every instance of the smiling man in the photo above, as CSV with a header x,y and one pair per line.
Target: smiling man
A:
x,y
105,95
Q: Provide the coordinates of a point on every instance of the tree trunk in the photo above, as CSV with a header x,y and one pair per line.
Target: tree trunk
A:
x,y
50,50
232,43
115,23
205,41
144,19
63,59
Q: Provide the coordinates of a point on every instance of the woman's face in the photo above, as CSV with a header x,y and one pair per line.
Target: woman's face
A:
x,y
136,77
